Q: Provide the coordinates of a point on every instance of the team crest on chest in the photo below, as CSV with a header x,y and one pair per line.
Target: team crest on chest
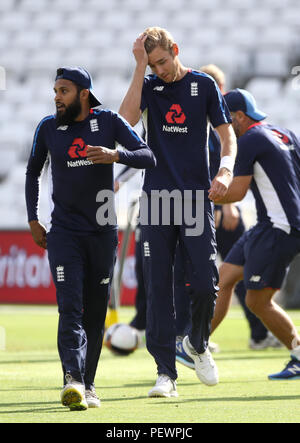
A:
x,y
94,125
194,89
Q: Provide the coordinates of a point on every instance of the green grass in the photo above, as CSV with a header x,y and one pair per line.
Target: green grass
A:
x,y
30,379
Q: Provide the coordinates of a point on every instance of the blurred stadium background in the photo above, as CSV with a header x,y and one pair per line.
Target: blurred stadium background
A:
x,y
256,43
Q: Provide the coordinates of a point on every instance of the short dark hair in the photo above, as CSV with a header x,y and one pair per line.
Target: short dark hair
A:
x,y
79,89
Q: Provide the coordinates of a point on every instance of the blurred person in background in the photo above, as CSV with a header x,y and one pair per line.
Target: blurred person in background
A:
x,y
268,162
229,228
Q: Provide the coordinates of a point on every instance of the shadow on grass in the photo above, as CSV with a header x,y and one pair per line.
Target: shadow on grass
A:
x,y
107,400
29,388
264,356
233,399
39,408
26,361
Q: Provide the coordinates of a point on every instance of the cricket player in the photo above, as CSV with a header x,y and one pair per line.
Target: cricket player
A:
x,y
80,144
229,228
176,103
268,162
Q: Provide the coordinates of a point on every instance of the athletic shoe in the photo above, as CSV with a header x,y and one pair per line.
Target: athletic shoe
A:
x,y
269,342
73,395
205,367
164,387
184,359
181,355
213,347
290,372
92,399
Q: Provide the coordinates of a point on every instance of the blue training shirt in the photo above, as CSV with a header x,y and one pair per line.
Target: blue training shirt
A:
x,y
74,181
272,155
176,117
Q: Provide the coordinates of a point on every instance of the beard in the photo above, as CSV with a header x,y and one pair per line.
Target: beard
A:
x,y
71,112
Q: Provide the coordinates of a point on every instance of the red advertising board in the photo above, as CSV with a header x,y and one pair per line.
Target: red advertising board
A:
x,y
25,274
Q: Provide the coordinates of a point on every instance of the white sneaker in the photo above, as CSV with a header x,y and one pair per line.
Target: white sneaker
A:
x,y
164,387
92,399
213,347
205,367
269,342
73,395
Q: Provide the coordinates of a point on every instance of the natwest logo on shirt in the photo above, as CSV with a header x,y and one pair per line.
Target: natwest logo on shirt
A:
x,y
78,150
283,140
175,115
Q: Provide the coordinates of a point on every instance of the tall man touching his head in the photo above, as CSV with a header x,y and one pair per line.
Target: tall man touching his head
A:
x,y
176,103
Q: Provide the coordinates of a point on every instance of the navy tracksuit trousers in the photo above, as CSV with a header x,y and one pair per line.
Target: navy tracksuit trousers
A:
x,y
182,305
82,270
201,275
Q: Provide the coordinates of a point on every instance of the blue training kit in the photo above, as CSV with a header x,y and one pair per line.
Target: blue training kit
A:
x,y
74,181
81,251
175,116
226,239
272,156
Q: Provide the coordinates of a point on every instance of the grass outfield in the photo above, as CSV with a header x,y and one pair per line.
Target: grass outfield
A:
x,y
30,379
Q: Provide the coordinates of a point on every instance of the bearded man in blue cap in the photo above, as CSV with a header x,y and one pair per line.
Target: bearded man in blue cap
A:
x,y
79,143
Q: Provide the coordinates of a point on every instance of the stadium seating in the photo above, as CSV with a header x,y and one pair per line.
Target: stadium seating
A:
x,y
255,41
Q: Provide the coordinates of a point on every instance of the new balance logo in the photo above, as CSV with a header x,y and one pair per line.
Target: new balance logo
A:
x,y
94,125
159,88
194,89
105,281
255,278
62,128
179,347
146,249
213,257
60,274
294,370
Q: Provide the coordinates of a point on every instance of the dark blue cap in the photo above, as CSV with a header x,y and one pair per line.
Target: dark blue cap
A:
x,y
242,100
81,77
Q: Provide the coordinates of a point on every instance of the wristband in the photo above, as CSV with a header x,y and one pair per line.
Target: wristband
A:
x,y
227,162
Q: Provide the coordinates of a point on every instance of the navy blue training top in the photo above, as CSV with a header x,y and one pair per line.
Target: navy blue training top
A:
x,y
272,155
74,181
176,118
